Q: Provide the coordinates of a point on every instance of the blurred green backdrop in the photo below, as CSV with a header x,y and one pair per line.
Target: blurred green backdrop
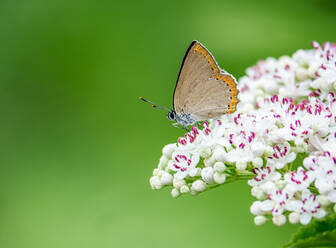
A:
x,y
78,147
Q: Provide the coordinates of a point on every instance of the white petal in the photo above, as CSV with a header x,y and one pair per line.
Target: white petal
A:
x,y
275,176
180,175
293,205
332,196
320,214
258,149
257,193
267,205
267,187
291,157
305,218
255,208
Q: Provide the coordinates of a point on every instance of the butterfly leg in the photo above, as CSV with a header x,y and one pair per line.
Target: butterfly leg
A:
x,y
177,125
180,126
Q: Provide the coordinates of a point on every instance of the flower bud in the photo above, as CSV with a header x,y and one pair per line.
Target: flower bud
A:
x,y
312,70
279,220
280,184
301,73
269,151
246,107
255,208
184,189
219,167
195,173
207,175
205,153
294,218
155,182
257,162
241,165
166,178
324,84
270,86
260,220
219,177
175,193
257,193
219,154
324,200
168,150
156,171
209,161
163,162
198,186
178,183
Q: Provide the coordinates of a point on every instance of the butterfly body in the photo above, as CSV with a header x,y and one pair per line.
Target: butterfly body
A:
x,y
203,91
182,119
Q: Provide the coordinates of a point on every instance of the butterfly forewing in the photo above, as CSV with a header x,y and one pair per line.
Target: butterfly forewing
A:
x,y
202,89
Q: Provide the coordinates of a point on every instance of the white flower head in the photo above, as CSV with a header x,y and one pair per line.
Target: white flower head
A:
x,y
299,180
308,207
282,139
264,174
276,201
184,164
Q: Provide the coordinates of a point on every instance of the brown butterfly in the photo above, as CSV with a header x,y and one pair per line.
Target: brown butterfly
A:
x,y
203,91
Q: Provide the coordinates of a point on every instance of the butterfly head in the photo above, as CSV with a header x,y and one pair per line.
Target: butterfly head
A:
x,y
171,115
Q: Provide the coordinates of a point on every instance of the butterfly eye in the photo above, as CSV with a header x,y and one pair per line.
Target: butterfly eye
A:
x,y
171,115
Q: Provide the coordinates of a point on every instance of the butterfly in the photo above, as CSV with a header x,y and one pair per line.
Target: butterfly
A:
x,y
203,90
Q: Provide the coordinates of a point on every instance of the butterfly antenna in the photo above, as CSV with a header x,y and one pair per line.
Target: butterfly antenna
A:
x,y
153,104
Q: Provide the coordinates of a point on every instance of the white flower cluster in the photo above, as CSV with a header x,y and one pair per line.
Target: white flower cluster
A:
x,y
306,73
282,140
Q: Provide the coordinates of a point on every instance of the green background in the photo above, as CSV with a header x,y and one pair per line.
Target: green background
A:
x,y
77,147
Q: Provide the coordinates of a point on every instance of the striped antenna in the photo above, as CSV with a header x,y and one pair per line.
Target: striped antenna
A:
x,y
154,105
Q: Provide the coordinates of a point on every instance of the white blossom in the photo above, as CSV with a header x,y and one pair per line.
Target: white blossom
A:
x,y
308,207
281,139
